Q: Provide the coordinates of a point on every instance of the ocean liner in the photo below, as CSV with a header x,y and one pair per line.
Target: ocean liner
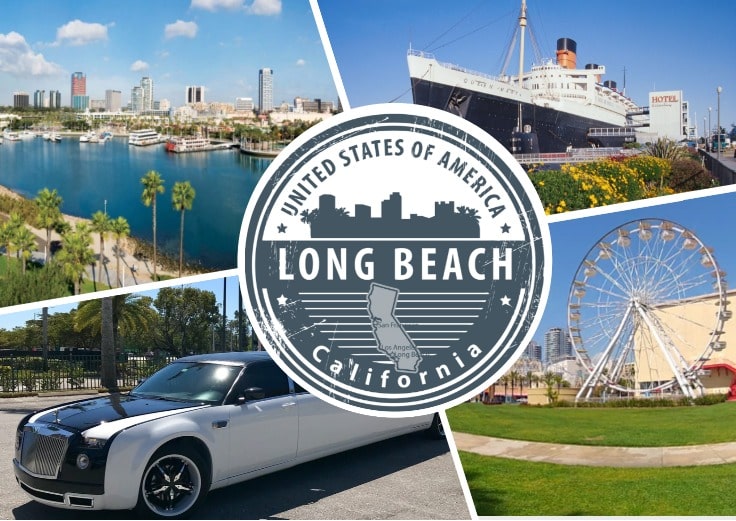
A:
x,y
551,108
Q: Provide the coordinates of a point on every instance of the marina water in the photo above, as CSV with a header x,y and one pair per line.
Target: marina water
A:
x,y
88,174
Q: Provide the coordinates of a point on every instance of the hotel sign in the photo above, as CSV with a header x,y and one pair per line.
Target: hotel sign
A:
x,y
394,259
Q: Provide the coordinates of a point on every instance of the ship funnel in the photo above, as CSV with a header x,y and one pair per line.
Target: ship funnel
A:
x,y
594,66
566,53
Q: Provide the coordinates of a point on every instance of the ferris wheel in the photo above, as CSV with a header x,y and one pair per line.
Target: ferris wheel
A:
x,y
646,311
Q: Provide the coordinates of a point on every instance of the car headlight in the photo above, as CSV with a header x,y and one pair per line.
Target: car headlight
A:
x,y
94,443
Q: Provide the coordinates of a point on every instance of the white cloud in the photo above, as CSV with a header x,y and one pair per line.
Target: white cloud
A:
x,y
214,5
139,65
78,32
264,7
300,62
17,58
180,28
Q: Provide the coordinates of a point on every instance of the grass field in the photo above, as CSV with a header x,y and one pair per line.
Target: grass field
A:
x,y
649,427
505,487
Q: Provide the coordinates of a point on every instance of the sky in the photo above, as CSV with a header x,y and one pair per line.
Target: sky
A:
x,y
218,44
663,45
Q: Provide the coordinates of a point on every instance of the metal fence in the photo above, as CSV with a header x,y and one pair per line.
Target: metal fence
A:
x,y
22,372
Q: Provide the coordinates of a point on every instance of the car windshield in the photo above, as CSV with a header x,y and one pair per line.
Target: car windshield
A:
x,y
190,382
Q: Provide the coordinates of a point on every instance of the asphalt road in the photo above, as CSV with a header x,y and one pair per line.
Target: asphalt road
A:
x,y
409,477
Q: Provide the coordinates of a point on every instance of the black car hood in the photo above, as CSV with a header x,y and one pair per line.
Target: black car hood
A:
x,y
86,414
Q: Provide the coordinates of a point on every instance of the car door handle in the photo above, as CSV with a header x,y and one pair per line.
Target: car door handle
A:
x,y
219,424
289,404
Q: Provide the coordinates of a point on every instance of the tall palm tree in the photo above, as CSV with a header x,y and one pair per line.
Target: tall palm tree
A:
x,y
24,242
49,214
107,345
101,225
76,254
153,184
120,229
9,232
182,197
129,313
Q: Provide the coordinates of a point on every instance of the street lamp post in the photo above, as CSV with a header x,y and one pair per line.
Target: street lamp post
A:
x,y
705,132
719,89
710,129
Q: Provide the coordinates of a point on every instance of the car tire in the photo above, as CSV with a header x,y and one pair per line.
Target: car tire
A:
x,y
436,431
174,483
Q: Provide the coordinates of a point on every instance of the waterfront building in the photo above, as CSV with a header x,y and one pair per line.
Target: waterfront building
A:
x,y
669,115
265,90
79,99
97,105
194,94
315,105
54,99
21,100
39,99
557,345
113,100
244,104
162,105
147,88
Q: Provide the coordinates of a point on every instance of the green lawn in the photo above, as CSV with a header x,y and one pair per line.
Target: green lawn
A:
x,y
505,487
647,427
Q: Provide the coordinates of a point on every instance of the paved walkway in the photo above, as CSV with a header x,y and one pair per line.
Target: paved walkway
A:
x,y
590,456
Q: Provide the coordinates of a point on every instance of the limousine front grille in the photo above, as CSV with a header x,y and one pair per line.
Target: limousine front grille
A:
x,y
41,453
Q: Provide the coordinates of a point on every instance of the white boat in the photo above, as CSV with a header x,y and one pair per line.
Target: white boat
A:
x,y
87,138
11,136
26,134
46,136
193,144
54,137
144,137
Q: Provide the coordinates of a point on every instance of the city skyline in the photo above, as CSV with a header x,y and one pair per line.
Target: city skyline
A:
x,y
217,43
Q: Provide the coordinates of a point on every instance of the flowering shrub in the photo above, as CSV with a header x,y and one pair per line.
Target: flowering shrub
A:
x,y
615,180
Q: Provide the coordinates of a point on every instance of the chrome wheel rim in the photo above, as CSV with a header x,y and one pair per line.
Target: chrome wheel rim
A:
x,y
171,485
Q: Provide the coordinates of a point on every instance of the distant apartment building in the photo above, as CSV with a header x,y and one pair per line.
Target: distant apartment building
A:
x,y
136,99
315,105
79,100
162,104
194,94
54,99
113,100
21,100
97,105
557,345
39,99
265,90
533,351
147,93
244,105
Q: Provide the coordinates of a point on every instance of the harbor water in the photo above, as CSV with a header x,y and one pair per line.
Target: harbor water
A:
x,y
91,177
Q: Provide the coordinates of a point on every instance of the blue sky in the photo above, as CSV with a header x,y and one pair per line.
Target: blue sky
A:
x,y
663,45
214,283
220,44
704,213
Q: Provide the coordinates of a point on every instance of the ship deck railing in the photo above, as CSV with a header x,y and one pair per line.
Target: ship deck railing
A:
x,y
575,155
455,67
611,132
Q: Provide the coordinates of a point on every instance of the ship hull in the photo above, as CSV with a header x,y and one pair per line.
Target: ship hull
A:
x,y
556,130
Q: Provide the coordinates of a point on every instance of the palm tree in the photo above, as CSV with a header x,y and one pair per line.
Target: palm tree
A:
x,y
153,184
24,242
182,197
49,214
129,313
76,254
120,229
101,225
107,346
9,232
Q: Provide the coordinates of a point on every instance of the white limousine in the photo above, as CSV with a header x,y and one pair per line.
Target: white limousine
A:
x,y
160,448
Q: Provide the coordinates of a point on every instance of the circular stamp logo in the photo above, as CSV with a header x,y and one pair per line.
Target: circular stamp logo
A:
x,y
394,259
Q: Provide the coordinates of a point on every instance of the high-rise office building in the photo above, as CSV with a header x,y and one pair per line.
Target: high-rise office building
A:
x,y
265,90
533,351
113,100
21,100
39,99
80,100
147,88
194,94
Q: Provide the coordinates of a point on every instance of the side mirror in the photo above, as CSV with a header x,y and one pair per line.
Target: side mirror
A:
x,y
252,393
